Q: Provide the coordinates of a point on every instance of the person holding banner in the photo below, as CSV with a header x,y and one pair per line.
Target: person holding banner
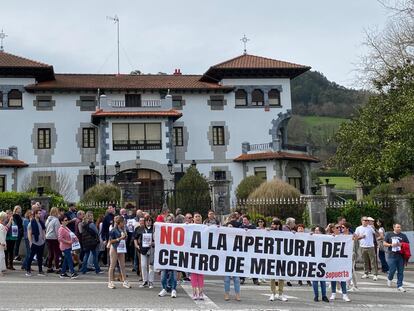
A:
x,y
65,238
117,250
336,231
146,248
277,225
197,280
319,230
236,283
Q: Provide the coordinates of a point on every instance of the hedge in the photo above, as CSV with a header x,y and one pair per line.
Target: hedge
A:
x,y
8,200
353,211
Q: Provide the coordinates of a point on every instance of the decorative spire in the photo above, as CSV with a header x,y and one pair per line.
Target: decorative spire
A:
x,y
2,37
244,40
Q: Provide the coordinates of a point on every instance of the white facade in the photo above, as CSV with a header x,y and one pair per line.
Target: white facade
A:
x,y
203,107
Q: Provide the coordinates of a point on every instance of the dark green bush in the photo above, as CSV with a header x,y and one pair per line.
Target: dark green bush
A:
x,y
247,186
8,200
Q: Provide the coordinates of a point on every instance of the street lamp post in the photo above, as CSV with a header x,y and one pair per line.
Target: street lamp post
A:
x,y
105,175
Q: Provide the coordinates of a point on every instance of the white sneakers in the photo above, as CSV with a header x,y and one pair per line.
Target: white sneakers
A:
x,y
126,284
150,285
333,296
389,283
111,285
173,293
364,276
162,293
375,278
345,298
401,289
278,297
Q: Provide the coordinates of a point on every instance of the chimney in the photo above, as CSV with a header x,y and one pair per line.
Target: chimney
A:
x,y
177,72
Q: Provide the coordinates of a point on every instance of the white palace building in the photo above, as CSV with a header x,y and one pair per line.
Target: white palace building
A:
x,y
144,131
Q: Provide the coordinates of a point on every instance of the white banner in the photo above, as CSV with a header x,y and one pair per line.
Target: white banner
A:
x,y
213,250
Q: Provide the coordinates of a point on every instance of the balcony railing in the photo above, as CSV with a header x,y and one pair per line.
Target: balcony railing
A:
x,y
294,147
137,144
5,153
145,103
260,147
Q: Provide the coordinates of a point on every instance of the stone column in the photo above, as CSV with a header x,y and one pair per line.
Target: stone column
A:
x,y
359,192
316,207
326,190
403,212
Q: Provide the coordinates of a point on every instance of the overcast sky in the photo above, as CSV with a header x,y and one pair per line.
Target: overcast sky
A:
x,y
161,35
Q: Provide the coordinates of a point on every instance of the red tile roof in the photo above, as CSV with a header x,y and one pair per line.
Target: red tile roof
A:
x,y
12,163
169,113
251,61
279,155
125,82
10,60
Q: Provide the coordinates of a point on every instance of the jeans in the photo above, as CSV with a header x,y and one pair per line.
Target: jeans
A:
x,y
169,279
396,262
316,290
384,265
147,269
10,253
236,282
94,254
343,287
26,258
38,251
67,261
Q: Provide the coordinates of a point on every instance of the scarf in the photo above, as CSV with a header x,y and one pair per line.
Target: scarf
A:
x,y
35,228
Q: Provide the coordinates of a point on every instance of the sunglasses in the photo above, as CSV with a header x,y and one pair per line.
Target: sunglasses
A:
x,y
337,227
260,221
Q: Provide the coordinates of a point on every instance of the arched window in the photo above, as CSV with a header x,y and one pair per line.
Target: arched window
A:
x,y
274,97
257,98
241,98
15,98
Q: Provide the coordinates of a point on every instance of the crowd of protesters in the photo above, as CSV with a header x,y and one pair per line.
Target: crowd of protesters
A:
x,y
74,238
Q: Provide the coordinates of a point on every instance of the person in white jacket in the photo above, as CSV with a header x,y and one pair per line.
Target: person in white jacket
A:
x,y
3,233
52,228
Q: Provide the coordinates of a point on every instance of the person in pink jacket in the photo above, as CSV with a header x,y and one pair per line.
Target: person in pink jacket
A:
x,y
66,238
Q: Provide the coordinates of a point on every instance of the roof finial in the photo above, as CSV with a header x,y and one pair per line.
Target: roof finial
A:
x,y
244,40
2,37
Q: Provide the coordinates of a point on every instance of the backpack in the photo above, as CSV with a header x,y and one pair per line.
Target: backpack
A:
x,y
89,238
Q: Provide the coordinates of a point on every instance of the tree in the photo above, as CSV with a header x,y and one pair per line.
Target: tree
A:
x,y
136,72
392,46
247,186
193,193
378,145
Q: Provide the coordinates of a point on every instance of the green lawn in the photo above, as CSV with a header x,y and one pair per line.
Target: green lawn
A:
x,y
313,121
341,183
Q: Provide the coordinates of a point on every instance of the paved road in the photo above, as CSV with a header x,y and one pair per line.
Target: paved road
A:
x,y
89,292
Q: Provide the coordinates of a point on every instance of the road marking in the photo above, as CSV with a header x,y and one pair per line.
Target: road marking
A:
x,y
288,297
206,304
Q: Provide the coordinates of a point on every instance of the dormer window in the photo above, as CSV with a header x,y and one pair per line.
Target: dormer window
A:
x,y
274,97
15,98
241,98
257,98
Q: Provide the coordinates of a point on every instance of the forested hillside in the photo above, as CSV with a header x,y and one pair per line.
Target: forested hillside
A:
x,y
314,95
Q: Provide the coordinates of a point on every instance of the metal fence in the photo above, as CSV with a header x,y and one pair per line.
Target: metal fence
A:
x,y
267,208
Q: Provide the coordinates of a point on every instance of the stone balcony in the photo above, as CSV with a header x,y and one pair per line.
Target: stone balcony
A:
x,y
108,104
274,147
9,153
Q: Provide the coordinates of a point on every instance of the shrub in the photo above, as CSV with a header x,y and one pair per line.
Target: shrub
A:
x,y
275,189
247,186
102,193
193,193
353,211
8,200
